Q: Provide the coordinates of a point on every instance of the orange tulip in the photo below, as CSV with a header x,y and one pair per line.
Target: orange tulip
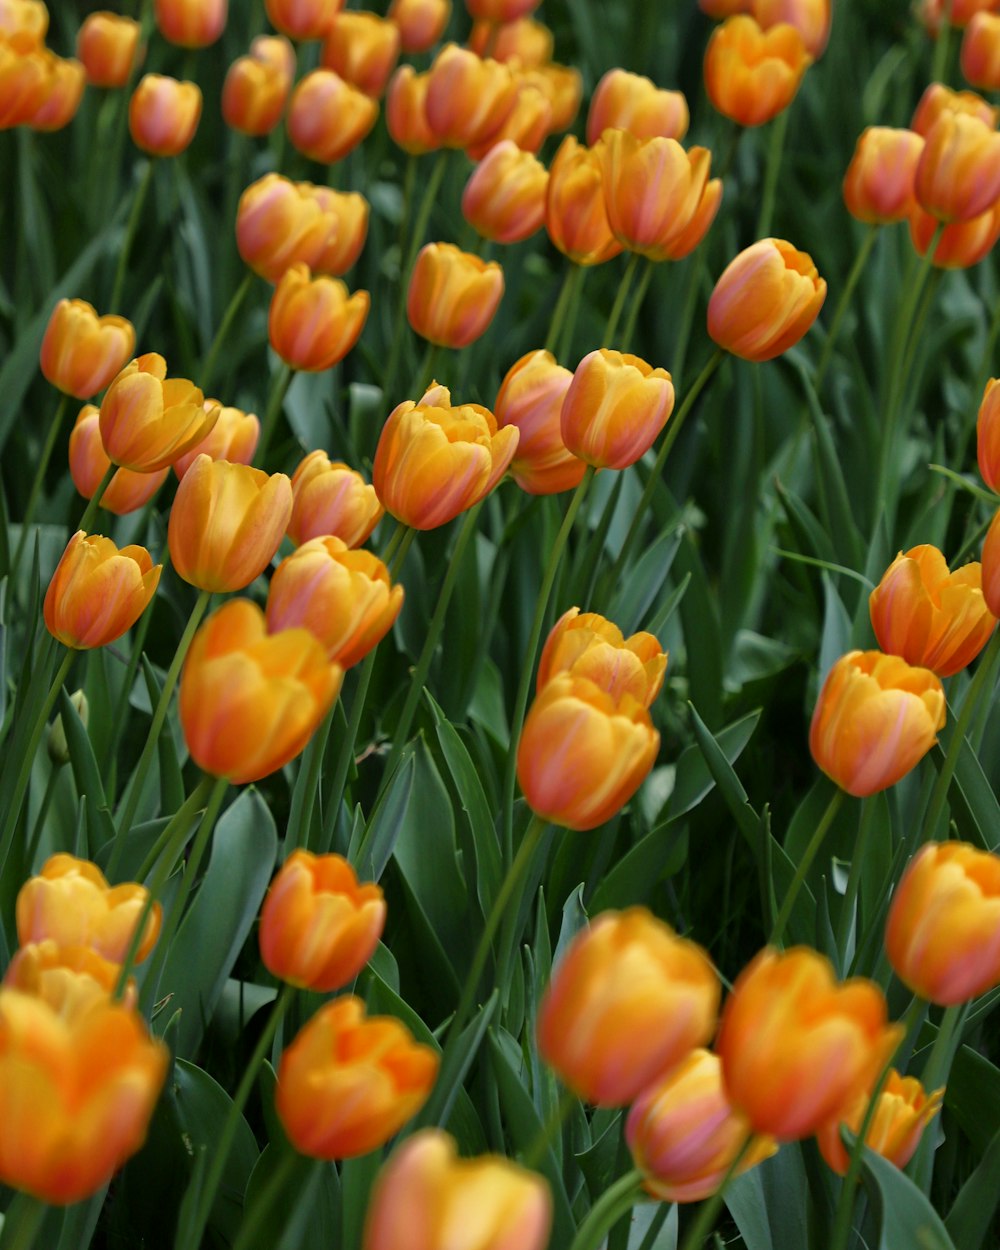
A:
x,y
903,1111
191,23
330,498
406,112
277,51
960,244
938,99
25,23
765,301
327,117
564,85
424,1196
943,932
281,223
958,173
627,1002
349,210
591,646
575,214
363,49
660,202
108,46
302,19
467,97
811,18
980,56
500,11
724,8
615,407
349,1082
81,352
234,438
684,1134
525,41
62,99
878,185
149,420
254,95
77,1091
453,295
421,22
88,463
163,114
788,1019
250,702
314,322
875,719
97,592
504,198
435,460
226,523
531,398
528,121
74,976
929,616
318,926
959,12
71,904
988,436
752,75
25,81
583,753
624,101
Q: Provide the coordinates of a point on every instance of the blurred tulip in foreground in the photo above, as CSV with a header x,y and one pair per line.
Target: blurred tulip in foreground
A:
x,y
960,244
63,976
421,22
988,435
878,185
980,57
330,498
531,398
191,23
233,437
525,41
254,95
504,199
81,351
25,23
588,645
903,1111
88,463
108,47
25,80
752,75
163,114
327,117
97,592
62,100
811,18
615,407
575,214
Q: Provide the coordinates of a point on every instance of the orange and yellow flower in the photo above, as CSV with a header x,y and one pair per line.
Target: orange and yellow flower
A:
x,y
81,351
903,1111
97,592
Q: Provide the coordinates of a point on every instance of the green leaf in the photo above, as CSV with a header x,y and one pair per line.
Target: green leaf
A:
x,y
769,1203
373,850
458,1060
638,592
730,786
171,782
694,778
661,853
489,866
906,1217
973,1094
86,773
971,1215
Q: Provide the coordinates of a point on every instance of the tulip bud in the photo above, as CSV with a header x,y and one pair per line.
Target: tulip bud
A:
x,y
349,1082
627,1002
467,97
624,101
958,173
250,701
254,95
787,1019
504,198
97,592
765,301
980,56
191,23
453,295
329,498
108,46
878,185
684,1134
281,223
234,438
589,645
327,117
615,407
81,352
575,214
163,114
531,398
25,23
421,22
902,1113
363,49
929,616
56,744
960,244
25,81
938,99
406,112
302,19
564,85
752,75
421,1196
525,41
811,18
943,931
313,322
62,99
88,464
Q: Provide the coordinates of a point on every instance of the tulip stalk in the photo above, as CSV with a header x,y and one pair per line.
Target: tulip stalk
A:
x,y
567,295
869,814
857,269
131,226
225,325
708,1213
618,307
805,863
279,389
90,512
949,1038
775,151
637,301
39,481
22,1223
615,1202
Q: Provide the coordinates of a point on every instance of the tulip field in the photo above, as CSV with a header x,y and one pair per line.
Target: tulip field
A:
x,y
499,577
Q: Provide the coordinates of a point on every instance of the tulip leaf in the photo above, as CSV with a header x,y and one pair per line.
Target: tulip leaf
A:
x,y
973,1095
639,590
694,779
702,635
974,805
836,638
458,1058
906,1217
661,853
373,849
302,1211
171,781
972,1212
730,786
811,537
769,1203
654,1226
86,773
486,848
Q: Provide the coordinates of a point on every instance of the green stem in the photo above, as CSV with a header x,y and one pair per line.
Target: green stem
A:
x,y
637,300
39,481
22,1222
939,66
426,374
708,1212
279,389
260,1210
562,352
130,230
562,304
90,512
860,261
615,1202
228,319
554,1122
869,815
802,871
687,316
301,811
619,305
424,215
184,816
134,792
934,1075
779,128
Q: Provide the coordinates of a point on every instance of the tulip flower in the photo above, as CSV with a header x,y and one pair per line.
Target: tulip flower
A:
x,y
980,57
684,1134
500,11
504,199
988,436
960,244
624,101
531,398
349,212
313,322
929,616
811,18
938,99
277,51
424,1195
344,597
108,47
453,295
958,12
421,22
73,976
163,114
330,498
627,1002
788,1019
62,97
250,702
318,926
302,19
575,214
25,23
752,75
97,592
527,124
903,1111
943,932
88,464
233,437
564,87
363,49
254,95
327,117
25,81
81,351
149,420
724,8
191,23
71,904
349,1082
765,301
435,460
878,185
94,1076
615,407
467,97
589,645
525,41
281,223
406,112
958,173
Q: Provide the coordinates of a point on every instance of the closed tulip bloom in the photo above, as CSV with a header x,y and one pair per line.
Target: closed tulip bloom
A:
x,y
958,173
875,719
564,85
280,223
254,95
71,904
331,499
191,23
108,46
421,22
275,50
525,41
528,122
878,185
149,420
752,75
77,1091
938,99
344,597
363,49
928,615
788,1019
63,97
903,1111
250,701
25,23
314,322
943,931
88,463
504,199
684,1134
426,1198
349,210
25,82
327,117
467,97
73,976
765,301
724,8
980,57
583,753
302,19
453,295
349,1082
233,437
226,523
988,436
627,1002
958,12
961,244
575,214
406,112
97,592
82,352
163,114
530,398
589,645
319,926
811,18
615,407
500,11
624,101
435,460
